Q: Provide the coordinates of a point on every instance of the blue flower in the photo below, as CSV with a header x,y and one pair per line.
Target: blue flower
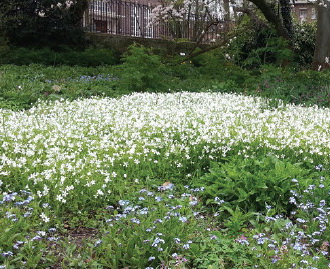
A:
x,y
183,219
97,243
27,214
123,202
7,254
135,220
158,198
52,230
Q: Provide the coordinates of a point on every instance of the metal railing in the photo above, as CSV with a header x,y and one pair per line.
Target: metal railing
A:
x,y
125,18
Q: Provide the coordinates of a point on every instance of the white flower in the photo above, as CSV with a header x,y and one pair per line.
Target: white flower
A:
x,y
40,14
69,3
44,217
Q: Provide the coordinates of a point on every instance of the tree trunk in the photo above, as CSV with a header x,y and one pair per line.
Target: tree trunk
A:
x,y
286,16
226,6
272,17
227,17
322,45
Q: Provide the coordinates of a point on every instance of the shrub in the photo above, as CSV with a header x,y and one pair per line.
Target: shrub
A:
x,y
43,22
304,44
141,71
65,56
304,87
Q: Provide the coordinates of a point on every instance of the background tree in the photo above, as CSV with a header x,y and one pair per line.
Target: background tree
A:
x,y
322,44
282,21
193,17
42,22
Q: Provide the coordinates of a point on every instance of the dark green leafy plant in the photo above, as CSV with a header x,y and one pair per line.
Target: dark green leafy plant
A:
x,y
304,43
251,184
141,71
219,251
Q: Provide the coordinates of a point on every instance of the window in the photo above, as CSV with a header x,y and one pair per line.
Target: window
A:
x,y
140,17
101,26
303,14
149,28
100,6
136,23
313,17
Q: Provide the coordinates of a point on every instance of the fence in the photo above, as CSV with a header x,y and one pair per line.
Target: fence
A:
x,y
119,17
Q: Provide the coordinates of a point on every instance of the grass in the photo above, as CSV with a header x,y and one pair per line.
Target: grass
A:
x,y
162,180
22,86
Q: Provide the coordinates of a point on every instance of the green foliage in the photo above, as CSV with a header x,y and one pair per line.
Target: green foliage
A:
x,y
251,184
304,87
141,70
22,86
220,252
217,66
304,43
146,237
64,56
274,51
43,23
113,202
4,47
255,44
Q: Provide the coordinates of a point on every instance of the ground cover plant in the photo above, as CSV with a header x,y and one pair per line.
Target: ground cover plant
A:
x,y
165,180
142,70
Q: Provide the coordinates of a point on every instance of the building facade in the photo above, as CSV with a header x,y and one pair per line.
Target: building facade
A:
x,y
124,17
304,11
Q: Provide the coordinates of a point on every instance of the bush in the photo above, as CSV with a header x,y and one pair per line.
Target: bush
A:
x,y
65,56
43,23
304,44
256,43
304,87
141,71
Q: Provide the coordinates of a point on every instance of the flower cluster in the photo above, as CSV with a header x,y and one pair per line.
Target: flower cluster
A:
x,y
66,147
155,226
